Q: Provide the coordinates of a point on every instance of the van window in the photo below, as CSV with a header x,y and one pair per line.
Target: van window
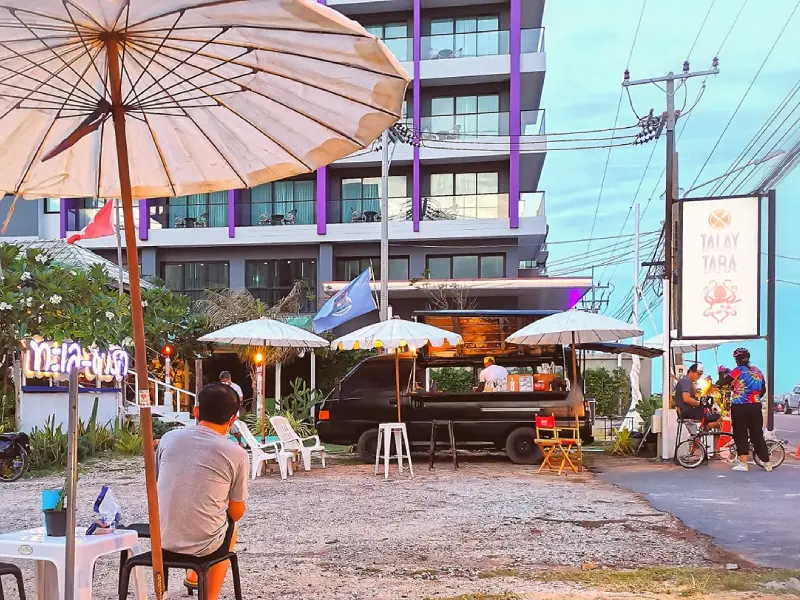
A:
x,y
796,389
453,379
376,375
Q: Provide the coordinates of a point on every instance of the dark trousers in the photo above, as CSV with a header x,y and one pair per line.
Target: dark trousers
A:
x,y
747,420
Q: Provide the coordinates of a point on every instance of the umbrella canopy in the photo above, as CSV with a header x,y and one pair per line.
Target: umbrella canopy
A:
x,y
573,327
265,332
217,95
657,341
395,334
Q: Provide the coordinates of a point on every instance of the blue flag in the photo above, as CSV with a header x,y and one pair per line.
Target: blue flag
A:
x,y
352,301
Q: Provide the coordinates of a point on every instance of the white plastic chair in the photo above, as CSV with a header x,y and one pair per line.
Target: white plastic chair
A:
x,y
259,456
293,442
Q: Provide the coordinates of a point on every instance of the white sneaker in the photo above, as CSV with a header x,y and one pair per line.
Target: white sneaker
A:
x,y
740,467
768,467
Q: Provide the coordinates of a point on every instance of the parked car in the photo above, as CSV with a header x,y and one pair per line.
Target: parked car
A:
x,y
791,401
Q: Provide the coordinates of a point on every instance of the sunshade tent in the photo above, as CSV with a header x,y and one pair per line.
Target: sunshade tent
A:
x,y
396,335
140,99
571,328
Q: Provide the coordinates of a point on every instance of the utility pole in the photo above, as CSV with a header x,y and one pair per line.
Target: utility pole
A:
x,y
385,226
670,197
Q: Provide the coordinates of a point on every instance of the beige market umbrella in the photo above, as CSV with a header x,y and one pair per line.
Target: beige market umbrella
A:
x,y
160,98
395,335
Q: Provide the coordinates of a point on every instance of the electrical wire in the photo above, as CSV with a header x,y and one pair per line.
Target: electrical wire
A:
x,y
746,93
699,31
539,149
507,139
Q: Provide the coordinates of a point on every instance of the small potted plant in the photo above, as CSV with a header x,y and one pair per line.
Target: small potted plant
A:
x,y
55,519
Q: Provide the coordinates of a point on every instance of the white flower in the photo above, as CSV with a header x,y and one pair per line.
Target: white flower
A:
x,y
22,255
55,299
29,301
25,276
144,303
41,258
73,273
110,315
5,306
127,341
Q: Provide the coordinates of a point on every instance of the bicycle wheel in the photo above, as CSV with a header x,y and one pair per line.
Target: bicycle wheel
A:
x,y
691,453
12,469
777,454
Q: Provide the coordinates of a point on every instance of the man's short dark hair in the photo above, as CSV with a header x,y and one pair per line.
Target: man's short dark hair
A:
x,y
217,403
224,375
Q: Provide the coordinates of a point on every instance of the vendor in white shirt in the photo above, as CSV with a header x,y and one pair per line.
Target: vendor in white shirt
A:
x,y
493,378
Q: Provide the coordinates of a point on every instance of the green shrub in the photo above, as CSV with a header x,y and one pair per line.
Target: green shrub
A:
x,y
453,379
129,442
646,409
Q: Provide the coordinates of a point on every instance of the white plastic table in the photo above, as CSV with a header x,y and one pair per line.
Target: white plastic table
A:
x,y
49,554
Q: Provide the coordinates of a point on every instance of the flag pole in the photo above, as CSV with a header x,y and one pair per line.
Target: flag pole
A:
x,y
119,245
112,42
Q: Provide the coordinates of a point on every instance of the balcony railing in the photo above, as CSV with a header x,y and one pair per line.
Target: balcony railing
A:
x,y
176,213
480,43
300,212
366,210
445,128
472,206
531,204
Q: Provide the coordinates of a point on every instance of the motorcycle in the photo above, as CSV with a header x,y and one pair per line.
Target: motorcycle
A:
x,y
14,451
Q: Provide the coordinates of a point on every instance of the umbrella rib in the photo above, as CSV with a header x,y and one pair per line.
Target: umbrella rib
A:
x,y
152,58
155,142
69,66
172,71
354,34
100,149
195,7
85,47
36,89
300,81
14,9
85,14
294,54
200,129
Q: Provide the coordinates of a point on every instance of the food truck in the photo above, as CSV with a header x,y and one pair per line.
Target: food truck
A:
x,y
541,382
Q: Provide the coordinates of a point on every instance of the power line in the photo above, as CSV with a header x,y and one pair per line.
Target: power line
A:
x,y
699,31
741,102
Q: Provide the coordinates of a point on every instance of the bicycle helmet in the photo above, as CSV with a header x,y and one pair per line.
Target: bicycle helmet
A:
x,y
722,369
741,355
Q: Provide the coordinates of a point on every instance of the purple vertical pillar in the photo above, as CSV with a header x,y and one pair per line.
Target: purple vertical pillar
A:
x,y
144,219
416,200
233,199
515,113
322,189
62,217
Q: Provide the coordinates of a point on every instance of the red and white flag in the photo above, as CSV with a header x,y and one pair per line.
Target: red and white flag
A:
x,y
101,226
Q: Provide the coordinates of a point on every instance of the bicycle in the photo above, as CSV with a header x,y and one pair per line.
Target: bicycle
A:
x,y
693,452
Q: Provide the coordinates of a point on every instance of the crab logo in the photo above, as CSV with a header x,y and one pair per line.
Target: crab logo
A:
x,y
342,304
721,300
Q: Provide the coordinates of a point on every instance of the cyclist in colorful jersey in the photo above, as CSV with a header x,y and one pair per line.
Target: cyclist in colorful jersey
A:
x,y
747,388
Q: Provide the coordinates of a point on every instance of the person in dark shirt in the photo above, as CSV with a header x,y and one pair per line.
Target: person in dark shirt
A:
x,y
686,400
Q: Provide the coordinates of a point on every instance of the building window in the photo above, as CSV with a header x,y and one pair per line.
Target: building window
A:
x,y
348,269
52,206
395,36
361,199
194,278
466,36
465,115
272,280
467,196
282,203
197,210
466,266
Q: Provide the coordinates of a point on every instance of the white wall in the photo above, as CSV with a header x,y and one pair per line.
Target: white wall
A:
x,y
36,408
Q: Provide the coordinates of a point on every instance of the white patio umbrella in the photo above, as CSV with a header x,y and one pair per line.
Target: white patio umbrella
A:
x,y
573,327
397,334
145,99
682,346
261,333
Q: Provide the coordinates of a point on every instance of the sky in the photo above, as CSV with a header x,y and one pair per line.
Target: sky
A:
x,y
588,44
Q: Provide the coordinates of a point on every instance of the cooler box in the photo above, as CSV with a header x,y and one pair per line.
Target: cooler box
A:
x,y
520,383
543,382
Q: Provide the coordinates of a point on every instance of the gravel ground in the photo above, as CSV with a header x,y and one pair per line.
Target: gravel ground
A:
x,y
340,533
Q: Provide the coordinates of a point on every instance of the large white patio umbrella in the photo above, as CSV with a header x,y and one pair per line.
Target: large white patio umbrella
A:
x,y
161,98
682,346
573,327
396,335
262,333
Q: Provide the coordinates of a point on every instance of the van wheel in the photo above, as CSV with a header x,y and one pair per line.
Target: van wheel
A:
x,y
787,410
520,447
368,445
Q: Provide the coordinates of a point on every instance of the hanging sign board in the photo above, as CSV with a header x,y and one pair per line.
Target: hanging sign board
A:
x,y
719,268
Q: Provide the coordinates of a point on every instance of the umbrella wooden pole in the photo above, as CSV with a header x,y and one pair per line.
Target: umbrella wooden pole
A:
x,y
397,382
140,350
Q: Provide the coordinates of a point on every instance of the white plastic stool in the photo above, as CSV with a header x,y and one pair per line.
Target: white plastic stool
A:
x,y
385,431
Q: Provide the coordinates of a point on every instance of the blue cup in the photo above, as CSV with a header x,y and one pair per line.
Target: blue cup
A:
x,y
50,499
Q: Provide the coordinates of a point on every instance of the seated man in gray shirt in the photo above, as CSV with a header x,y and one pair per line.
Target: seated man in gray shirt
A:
x,y
202,483
686,401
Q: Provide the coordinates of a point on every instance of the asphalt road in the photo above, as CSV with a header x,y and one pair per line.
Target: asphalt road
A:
x,y
754,513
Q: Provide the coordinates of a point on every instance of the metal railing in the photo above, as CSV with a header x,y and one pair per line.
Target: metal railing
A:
x,y
479,43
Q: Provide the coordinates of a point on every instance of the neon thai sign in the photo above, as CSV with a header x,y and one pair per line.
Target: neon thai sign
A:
x,y
52,359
